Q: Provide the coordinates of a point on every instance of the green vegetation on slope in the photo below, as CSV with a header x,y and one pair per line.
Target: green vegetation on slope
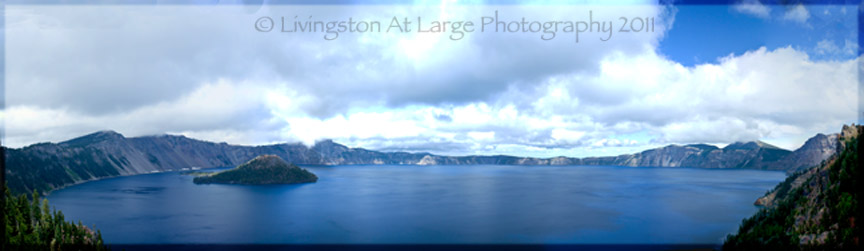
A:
x,y
818,212
264,169
28,170
30,225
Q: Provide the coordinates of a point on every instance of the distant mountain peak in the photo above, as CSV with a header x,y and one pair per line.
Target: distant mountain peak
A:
x,y
100,136
763,144
328,143
751,145
324,142
816,140
703,146
106,133
740,145
171,135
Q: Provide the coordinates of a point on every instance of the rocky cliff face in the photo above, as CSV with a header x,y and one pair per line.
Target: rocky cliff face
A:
x,y
817,149
48,166
750,155
815,208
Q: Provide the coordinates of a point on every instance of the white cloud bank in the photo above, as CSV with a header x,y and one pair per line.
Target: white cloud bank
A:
x,y
208,74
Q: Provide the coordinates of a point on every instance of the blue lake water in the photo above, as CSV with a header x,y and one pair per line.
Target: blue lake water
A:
x,y
427,204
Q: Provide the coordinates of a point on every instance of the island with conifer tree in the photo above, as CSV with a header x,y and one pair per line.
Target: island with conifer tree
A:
x,y
262,170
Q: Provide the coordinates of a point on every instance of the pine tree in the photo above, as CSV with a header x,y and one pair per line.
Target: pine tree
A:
x,y
30,224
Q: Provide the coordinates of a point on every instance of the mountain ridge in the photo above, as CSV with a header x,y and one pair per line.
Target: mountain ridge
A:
x,y
103,154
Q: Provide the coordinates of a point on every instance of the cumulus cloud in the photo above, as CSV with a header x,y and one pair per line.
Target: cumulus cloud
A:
x,y
206,73
130,57
760,95
754,8
830,48
797,13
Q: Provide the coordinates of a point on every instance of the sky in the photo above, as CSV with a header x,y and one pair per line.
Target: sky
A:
x,y
712,74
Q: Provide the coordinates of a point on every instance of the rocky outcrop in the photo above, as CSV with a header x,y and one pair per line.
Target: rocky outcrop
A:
x,y
750,155
815,208
812,153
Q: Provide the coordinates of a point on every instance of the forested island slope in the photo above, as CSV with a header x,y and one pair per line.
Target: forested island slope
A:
x,y
262,170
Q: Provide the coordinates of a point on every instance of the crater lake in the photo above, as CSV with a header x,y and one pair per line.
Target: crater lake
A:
x,y
427,204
